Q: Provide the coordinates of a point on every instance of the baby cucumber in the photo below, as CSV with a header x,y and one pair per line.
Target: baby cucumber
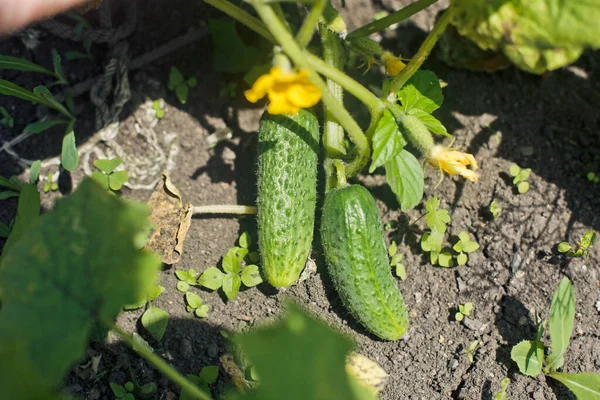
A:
x,y
288,148
352,238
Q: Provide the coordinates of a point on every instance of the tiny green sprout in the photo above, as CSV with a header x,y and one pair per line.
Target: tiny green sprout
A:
x,y
393,249
464,310
50,185
390,225
155,321
231,280
186,279
245,240
208,376
7,119
501,395
582,249
395,261
590,176
123,392
463,246
432,242
194,305
436,218
159,107
229,90
470,350
107,177
520,178
181,86
495,209
151,295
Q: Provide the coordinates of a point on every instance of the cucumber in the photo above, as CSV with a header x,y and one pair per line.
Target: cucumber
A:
x,y
287,192
352,238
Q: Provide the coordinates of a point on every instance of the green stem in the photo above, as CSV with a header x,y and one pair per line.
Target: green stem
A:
x,y
426,47
340,174
309,25
224,209
242,16
161,365
391,19
289,45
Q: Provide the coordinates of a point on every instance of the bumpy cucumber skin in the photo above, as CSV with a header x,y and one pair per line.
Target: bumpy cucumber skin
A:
x,y
352,238
287,191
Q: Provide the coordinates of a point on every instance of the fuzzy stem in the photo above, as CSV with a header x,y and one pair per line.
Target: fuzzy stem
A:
x,y
340,174
224,209
391,19
161,365
426,47
289,45
309,25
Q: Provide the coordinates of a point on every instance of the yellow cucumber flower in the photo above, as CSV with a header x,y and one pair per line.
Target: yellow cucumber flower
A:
x,y
393,65
288,91
453,162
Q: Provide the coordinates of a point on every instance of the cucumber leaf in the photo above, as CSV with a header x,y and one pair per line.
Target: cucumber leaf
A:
x,y
388,142
74,267
422,92
28,211
405,176
230,53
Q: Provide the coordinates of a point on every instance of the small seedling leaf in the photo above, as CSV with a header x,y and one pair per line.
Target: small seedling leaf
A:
x,y
182,92
34,171
523,187
529,356
245,240
101,178
563,247
388,142
148,390
202,311
192,82
251,276
155,321
128,396
231,285
212,278
560,323
117,179
405,177
467,308
175,78
193,300
69,157
129,386
118,390
155,292
108,166
436,218
432,241
183,286
241,252
445,260
585,385
501,395
231,262
401,271
459,316
514,170
209,374
254,256
393,249
462,259
422,91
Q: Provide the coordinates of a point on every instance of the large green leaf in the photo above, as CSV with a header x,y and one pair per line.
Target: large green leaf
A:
x,y
405,176
536,35
529,356
299,358
230,53
20,64
28,211
585,385
388,142
422,91
560,324
78,265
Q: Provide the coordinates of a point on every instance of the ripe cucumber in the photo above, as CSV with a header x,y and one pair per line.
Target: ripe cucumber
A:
x,y
288,148
352,238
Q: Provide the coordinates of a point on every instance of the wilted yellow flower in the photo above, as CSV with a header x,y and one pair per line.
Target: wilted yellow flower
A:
x,y
393,65
288,92
453,162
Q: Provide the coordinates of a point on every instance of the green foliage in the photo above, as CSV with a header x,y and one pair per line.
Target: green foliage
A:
x,y
388,142
529,356
235,270
502,395
159,108
7,119
124,392
69,156
107,177
536,35
34,171
13,185
560,324
181,86
20,64
50,184
495,209
582,249
230,53
436,218
155,321
41,126
81,267
520,177
464,310
151,295
299,358
584,385
28,211
404,175
463,246
208,376
469,351
186,279
396,261
194,305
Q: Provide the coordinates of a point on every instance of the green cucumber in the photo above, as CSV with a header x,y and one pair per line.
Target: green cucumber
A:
x,y
288,149
352,238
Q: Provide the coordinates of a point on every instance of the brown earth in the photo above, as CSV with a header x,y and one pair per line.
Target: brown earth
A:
x,y
548,124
